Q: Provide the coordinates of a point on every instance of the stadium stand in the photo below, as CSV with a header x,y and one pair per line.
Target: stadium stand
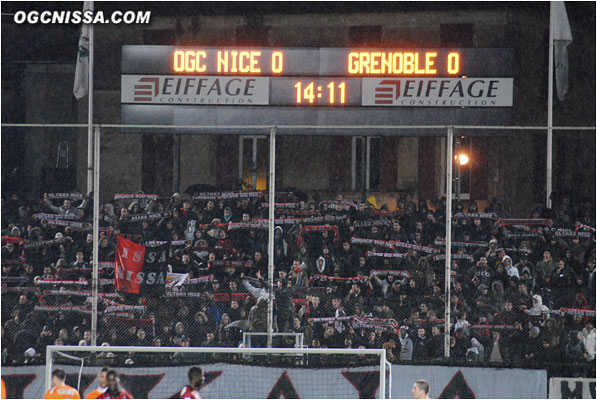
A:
x,y
348,275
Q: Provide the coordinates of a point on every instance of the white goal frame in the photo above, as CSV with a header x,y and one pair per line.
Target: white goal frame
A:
x,y
383,362
299,338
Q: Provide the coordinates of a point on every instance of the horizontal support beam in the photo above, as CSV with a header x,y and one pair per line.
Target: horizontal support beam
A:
x,y
347,127
229,350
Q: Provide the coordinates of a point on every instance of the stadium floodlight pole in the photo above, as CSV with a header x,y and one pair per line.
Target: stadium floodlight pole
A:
x,y
270,243
363,169
448,272
95,271
90,108
549,177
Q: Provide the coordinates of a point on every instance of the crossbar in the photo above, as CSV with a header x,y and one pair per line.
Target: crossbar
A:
x,y
229,350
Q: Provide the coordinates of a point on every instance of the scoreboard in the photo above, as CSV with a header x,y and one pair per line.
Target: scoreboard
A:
x,y
250,85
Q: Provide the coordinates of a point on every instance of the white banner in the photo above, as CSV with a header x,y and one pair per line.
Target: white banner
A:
x,y
238,381
437,92
194,90
572,388
467,382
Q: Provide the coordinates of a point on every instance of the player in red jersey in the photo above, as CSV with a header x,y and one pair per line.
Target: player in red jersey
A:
x,y
114,390
191,391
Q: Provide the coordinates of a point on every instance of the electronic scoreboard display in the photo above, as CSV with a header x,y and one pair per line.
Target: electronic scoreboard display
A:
x,y
255,84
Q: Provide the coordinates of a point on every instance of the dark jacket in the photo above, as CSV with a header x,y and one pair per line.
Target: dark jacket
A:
x,y
258,316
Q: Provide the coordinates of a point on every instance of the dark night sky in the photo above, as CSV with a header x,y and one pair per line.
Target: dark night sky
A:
x,y
22,42
576,10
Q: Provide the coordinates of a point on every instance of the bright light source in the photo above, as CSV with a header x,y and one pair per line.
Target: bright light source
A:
x,y
462,159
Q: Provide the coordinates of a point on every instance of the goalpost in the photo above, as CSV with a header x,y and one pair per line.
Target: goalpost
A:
x,y
161,372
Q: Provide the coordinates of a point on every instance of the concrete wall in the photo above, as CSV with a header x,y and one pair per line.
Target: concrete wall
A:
x,y
407,161
47,93
308,156
197,160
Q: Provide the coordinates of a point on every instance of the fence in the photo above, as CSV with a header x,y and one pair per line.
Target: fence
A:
x,y
400,283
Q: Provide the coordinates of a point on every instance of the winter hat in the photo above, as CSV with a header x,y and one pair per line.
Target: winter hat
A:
x,y
497,284
537,298
30,352
535,331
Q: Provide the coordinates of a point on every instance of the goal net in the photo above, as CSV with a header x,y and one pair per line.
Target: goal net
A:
x,y
230,373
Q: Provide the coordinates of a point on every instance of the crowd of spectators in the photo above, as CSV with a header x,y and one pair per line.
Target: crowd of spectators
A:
x,y
347,275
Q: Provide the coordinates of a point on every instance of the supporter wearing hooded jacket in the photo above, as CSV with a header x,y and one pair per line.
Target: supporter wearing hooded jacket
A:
x,y
588,338
575,351
258,316
538,306
496,297
511,270
580,302
406,344
533,344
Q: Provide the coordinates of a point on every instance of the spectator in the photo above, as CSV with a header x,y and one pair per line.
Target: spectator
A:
x,y
421,349
538,306
532,285
406,345
498,352
588,336
436,343
575,353
533,344
142,339
65,209
545,266
460,345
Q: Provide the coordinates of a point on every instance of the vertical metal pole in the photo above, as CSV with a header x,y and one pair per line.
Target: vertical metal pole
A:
x,y
368,165
363,169
255,163
270,243
240,161
176,174
49,366
354,162
95,274
389,369
449,162
548,185
458,172
90,109
382,377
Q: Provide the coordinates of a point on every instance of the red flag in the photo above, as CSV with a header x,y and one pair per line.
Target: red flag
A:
x,y
129,262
